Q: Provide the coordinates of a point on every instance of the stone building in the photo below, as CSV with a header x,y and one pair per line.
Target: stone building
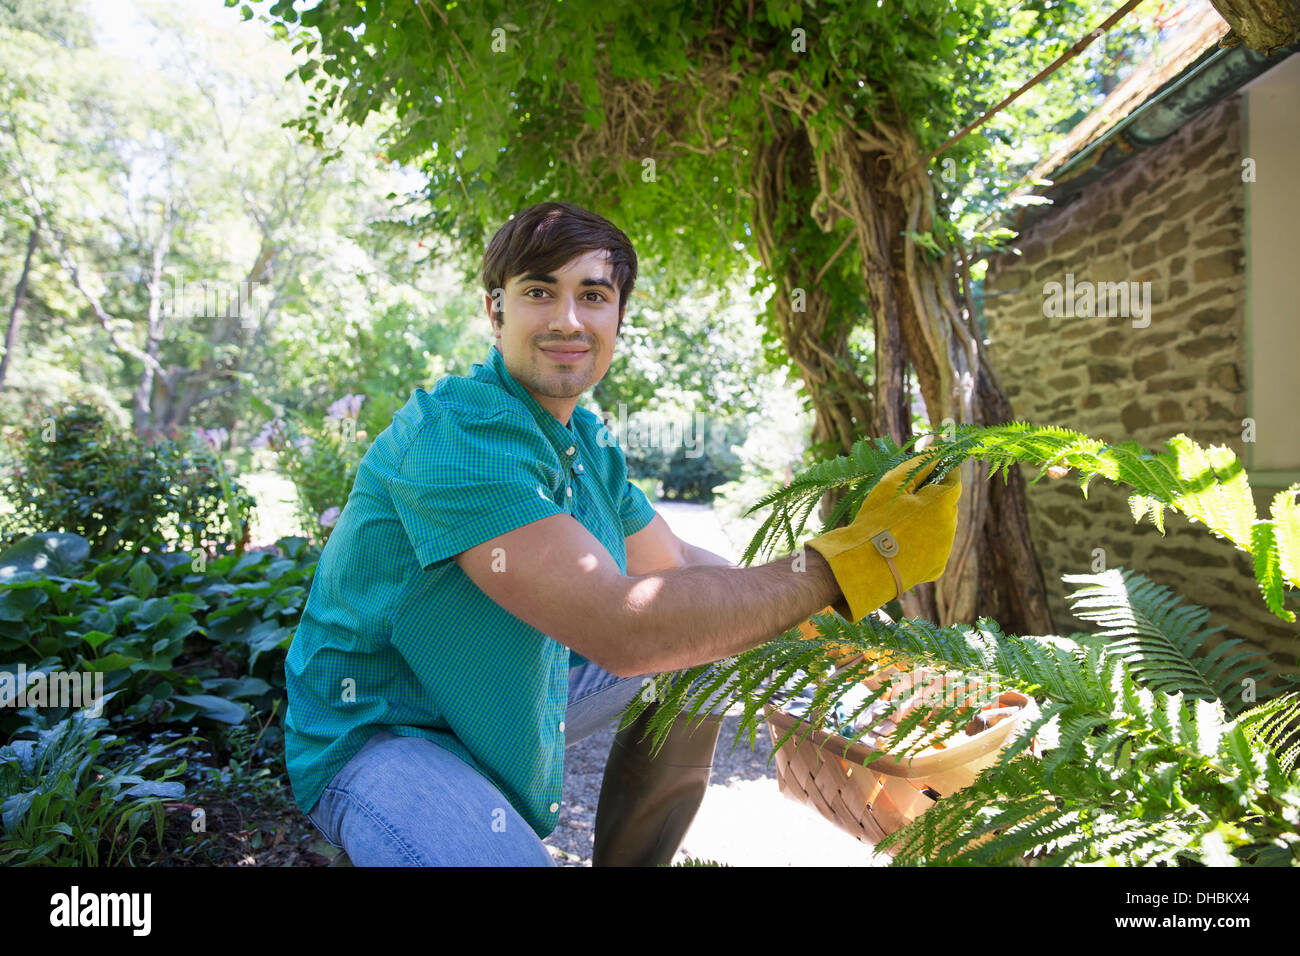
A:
x,y
1172,223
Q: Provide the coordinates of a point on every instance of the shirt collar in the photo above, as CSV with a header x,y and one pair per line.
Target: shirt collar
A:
x,y
564,439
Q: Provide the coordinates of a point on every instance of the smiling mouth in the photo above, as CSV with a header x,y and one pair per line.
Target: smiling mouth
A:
x,y
566,356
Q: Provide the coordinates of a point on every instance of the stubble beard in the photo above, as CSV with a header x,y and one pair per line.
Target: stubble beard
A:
x,y
556,384
560,384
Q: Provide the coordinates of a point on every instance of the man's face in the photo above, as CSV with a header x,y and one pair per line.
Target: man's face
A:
x,y
557,332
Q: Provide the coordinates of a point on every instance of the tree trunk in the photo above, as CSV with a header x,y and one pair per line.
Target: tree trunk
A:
x,y
785,179
20,295
144,419
218,373
992,570
1263,25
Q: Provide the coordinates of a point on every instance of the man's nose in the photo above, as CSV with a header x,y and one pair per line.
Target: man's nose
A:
x,y
565,317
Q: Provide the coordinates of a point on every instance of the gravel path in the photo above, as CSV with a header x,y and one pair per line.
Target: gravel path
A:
x,y
744,820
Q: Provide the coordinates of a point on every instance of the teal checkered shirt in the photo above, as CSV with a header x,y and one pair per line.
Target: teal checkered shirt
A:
x,y
395,636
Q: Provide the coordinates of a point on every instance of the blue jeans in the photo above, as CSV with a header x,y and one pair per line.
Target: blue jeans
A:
x,y
378,807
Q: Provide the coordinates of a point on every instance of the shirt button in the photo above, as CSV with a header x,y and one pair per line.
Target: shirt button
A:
x,y
570,450
561,726
568,492
555,807
578,468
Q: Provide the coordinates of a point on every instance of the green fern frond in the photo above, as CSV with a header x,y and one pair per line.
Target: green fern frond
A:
x,y
951,831
763,678
1285,532
1137,842
1276,724
1148,790
1073,733
1135,776
792,505
1159,636
1206,485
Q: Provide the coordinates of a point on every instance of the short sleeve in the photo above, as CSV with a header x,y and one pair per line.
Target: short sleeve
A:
x,y
634,510
468,477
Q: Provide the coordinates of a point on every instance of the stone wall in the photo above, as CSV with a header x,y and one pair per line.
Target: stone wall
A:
x,y
1171,216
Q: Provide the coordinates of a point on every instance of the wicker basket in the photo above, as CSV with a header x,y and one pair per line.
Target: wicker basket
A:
x,y
824,771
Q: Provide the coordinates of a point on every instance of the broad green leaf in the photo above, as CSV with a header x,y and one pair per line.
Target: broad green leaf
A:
x,y
96,638
151,612
110,662
19,604
233,688
142,578
51,552
166,790
216,708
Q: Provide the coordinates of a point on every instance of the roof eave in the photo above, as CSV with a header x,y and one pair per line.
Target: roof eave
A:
x,y
1215,75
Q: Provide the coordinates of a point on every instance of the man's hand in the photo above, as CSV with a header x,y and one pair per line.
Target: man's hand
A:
x,y
901,536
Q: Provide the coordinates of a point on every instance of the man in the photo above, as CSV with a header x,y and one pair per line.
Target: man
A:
x,y
495,588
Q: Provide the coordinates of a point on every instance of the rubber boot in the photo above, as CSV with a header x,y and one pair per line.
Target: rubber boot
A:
x,y
647,805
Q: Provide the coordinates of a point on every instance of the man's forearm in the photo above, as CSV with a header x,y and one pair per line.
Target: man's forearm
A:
x,y
689,616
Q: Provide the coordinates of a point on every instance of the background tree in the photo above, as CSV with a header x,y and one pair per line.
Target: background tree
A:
x,y
138,194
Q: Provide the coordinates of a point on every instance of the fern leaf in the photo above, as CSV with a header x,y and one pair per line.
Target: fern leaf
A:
x,y
1206,485
1268,568
1276,724
1159,637
1072,734
1143,763
1286,532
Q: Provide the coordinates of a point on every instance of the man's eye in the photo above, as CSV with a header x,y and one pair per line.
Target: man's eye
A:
x,y
529,293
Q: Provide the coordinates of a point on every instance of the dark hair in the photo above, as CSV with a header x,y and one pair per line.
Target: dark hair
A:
x,y
544,237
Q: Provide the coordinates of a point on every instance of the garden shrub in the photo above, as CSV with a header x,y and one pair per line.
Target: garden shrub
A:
x,y
182,642
182,639
74,471
687,458
692,479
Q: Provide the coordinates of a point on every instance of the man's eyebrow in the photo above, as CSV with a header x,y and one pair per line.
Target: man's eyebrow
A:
x,y
551,280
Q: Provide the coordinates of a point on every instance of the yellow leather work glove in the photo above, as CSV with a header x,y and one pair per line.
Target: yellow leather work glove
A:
x,y
896,541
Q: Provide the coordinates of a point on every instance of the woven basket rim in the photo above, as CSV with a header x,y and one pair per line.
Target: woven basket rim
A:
x,y
925,763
